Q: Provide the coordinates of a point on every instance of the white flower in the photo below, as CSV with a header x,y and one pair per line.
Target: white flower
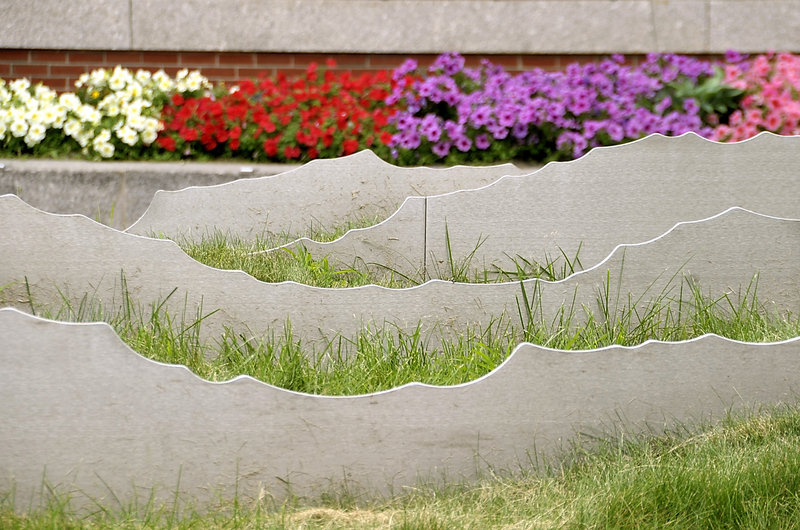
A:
x,y
110,105
98,76
35,116
152,123
50,114
15,113
149,136
143,76
162,80
5,95
19,128
73,128
36,133
105,149
103,136
44,93
89,114
83,140
127,135
3,130
20,85
82,80
32,104
136,122
69,100
119,78
134,89
23,97
133,108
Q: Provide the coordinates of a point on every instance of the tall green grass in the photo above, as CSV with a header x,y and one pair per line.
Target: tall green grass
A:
x,y
380,358
741,473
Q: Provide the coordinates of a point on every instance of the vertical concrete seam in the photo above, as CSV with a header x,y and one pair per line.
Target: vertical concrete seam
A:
x,y
130,24
424,237
653,26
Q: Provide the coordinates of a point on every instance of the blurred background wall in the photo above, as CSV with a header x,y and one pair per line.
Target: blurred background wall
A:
x,y
55,41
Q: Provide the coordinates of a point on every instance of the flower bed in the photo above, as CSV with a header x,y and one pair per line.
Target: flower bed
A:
x,y
447,113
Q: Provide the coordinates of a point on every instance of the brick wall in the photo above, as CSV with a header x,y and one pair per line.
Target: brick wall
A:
x,y
60,69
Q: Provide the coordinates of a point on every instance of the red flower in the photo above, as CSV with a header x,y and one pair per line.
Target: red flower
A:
x,y
166,142
189,135
350,146
291,152
177,99
271,146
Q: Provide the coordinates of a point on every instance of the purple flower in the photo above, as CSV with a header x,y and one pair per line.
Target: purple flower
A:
x,y
732,56
506,116
450,63
481,116
615,132
409,65
690,106
498,131
463,144
482,142
663,105
441,149
520,131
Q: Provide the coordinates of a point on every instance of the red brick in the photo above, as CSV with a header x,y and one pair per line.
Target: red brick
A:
x,y
48,56
275,59
14,55
292,72
545,62
396,59
47,80
86,57
160,58
580,59
253,73
228,73
506,61
171,70
343,60
5,69
59,85
236,59
124,58
209,58
68,70
29,69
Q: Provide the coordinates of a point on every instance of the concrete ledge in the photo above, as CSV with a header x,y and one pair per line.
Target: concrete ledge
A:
x,y
406,26
114,193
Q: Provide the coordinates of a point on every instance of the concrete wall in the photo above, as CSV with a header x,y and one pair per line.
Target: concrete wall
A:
x,y
405,26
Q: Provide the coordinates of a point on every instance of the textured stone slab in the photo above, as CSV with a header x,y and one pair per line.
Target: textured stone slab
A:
x,y
322,193
625,193
96,420
398,26
66,257
100,24
406,26
754,25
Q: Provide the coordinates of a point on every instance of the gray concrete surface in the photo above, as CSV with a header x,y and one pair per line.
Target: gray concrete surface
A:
x,y
406,26
108,426
114,193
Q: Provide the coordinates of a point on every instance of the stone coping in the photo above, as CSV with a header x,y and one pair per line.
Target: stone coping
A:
x,y
406,26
